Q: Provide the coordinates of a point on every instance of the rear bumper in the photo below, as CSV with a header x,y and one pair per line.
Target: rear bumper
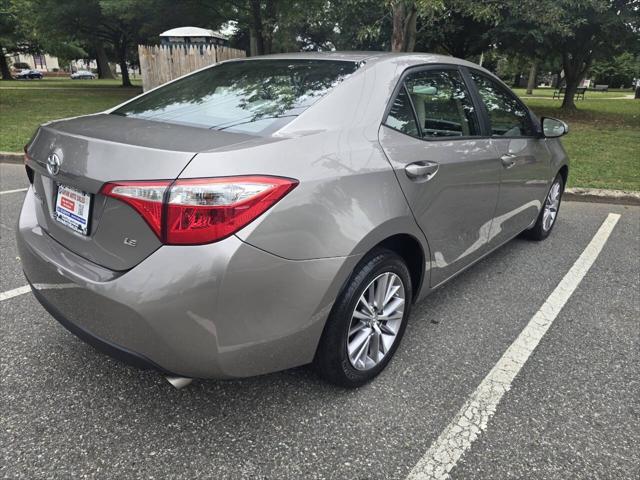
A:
x,y
213,311
116,351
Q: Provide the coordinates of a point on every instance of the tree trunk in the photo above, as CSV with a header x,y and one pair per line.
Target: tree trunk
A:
x,y
405,14
104,71
516,80
124,70
122,61
575,67
253,42
531,83
4,66
269,21
256,28
568,102
558,80
397,36
262,24
411,31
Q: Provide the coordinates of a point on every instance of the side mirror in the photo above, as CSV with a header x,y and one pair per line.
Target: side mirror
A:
x,y
553,128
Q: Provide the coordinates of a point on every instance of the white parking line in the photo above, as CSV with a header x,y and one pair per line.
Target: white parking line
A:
x,y
38,286
14,191
14,293
474,415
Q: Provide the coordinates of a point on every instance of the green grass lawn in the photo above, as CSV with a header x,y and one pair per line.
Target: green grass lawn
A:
x,y
63,82
589,95
22,109
603,145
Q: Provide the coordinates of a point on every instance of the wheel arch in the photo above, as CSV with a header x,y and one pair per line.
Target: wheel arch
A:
x,y
411,251
408,246
564,171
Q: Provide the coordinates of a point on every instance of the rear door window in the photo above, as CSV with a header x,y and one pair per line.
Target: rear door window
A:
x,y
401,116
442,104
245,96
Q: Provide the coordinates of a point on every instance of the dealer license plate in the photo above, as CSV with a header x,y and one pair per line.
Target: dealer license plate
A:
x,y
72,209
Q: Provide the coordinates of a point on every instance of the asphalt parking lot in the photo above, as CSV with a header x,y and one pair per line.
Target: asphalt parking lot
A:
x,y
572,412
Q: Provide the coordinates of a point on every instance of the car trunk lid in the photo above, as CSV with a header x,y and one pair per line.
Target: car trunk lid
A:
x,y
97,149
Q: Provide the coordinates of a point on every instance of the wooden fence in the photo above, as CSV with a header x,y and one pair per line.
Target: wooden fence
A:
x,y
161,63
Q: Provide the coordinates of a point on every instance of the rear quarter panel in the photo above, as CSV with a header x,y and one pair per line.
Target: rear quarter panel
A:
x,y
348,198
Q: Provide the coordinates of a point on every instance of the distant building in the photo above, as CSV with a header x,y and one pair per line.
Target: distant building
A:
x,y
193,35
44,62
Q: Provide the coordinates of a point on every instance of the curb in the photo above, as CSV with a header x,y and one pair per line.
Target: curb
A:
x,y
595,195
11,157
598,195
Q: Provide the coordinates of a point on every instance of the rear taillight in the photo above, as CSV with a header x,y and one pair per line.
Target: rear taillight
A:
x,y
203,210
26,166
206,210
145,197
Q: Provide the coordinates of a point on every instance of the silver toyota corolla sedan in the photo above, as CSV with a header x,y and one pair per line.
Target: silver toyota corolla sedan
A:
x,y
272,212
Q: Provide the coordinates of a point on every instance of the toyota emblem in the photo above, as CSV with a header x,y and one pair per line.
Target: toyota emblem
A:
x,y
53,164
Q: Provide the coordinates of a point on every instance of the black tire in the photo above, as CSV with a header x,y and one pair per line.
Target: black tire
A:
x,y
538,231
331,361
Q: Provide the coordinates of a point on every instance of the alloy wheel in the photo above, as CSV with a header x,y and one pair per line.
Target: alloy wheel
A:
x,y
551,205
376,321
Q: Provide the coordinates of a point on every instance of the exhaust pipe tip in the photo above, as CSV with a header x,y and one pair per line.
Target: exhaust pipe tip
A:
x,y
179,382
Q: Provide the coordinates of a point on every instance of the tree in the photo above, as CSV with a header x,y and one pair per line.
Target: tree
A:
x,y
378,24
120,24
616,72
106,28
360,25
456,30
259,19
271,26
16,32
597,29
9,34
73,25
56,32
578,31
405,15
405,19
531,82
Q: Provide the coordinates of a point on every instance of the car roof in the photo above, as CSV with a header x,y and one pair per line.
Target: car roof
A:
x,y
407,59
417,58
353,56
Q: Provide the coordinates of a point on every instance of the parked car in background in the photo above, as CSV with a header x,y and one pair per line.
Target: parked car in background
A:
x,y
82,75
266,213
29,75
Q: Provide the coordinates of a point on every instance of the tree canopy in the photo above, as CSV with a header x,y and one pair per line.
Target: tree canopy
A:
x,y
579,36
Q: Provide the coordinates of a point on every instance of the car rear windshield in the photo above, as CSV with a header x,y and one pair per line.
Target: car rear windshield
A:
x,y
256,97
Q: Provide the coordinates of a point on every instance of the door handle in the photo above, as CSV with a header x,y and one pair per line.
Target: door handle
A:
x,y
421,170
508,160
